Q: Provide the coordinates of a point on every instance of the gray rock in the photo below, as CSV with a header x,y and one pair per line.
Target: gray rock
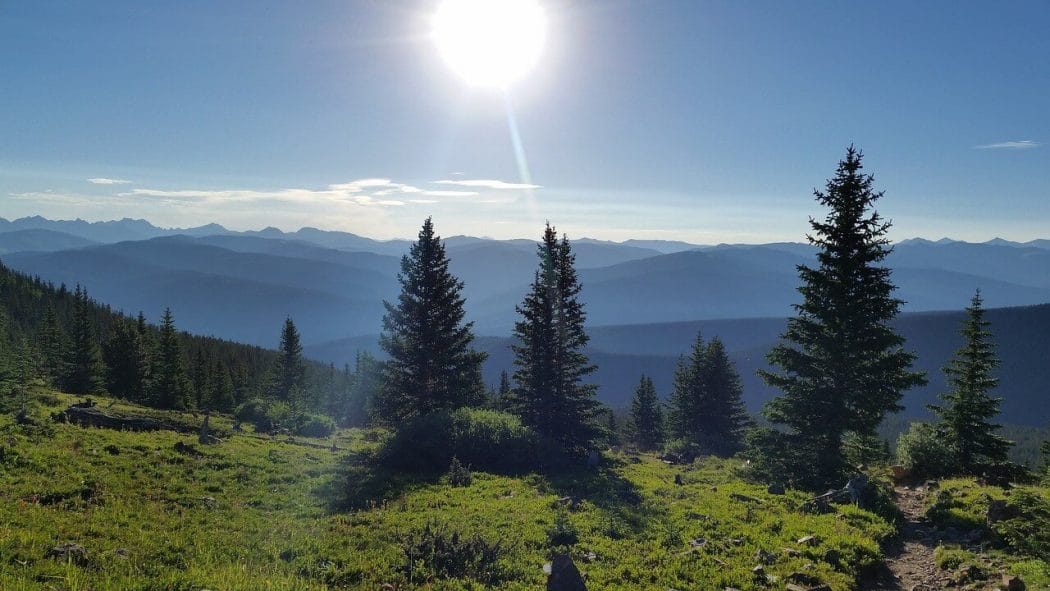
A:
x,y
564,576
70,552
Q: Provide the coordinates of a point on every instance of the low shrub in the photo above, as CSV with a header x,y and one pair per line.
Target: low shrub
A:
x,y
563,534
315,426
1029,531
487,440
458,474
926,454
437,553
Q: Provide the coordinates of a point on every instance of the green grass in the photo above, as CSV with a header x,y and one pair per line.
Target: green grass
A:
x,y
256,512
963,503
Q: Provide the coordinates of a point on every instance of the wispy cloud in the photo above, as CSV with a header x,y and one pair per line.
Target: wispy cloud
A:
x,y
1014,145
105,181
486,184
360,192
450,193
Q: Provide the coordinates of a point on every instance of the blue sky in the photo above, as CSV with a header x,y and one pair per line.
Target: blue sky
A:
x,y
701,121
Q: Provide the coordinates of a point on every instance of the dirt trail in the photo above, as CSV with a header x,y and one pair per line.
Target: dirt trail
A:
x,y
909,561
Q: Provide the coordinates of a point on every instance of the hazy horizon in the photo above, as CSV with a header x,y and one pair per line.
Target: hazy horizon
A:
x,y
700,122
412,237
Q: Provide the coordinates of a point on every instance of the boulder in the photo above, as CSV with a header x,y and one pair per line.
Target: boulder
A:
x,y
1012,583
899,472
70,552
808,541
564,576
999,510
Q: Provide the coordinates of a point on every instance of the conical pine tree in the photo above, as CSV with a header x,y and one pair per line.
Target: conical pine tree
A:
x,y
646,426
290,369
550,396
171,388
687,395
968,407
84,369
432,365
126,362
722,415
841,366
51,342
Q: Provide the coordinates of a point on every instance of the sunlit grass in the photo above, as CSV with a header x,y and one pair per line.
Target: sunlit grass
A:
x,y
255,512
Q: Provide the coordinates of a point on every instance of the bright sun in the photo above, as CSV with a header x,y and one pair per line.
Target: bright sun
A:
x,y
490,43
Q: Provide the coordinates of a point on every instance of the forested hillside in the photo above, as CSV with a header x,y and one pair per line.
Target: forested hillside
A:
x,y
54,336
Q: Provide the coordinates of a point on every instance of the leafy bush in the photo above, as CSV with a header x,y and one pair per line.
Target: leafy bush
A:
x,y
1029,532
925,453
458,474
272,415
315,426
864,449
563,533
436,553
485,439
684,451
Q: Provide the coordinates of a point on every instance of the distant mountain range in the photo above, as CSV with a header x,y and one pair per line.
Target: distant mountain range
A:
x,y
644,298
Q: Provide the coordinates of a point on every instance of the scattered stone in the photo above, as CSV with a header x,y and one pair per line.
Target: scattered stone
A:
x,y
678,479
804,579
594,459
187,449
1012,583
791,552
205,437
999,510
899,472
208,502
795,587
287,555
744,498
590,557
759,572
775,489
697,542
833,557
932,485
765,557
808,541
112,450
70,552
564,576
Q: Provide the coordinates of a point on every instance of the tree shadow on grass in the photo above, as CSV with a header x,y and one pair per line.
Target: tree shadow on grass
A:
x,y
366,480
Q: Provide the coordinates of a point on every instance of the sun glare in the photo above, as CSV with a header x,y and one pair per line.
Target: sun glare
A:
x,y
491,43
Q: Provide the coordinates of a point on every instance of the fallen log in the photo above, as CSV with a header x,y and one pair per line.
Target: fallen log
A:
x,y
92,417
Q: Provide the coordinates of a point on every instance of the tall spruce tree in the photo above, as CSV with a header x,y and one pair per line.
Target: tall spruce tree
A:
x,y
432,365
722,418
841,367
707,408
290,369
550,396
126,362
504,392
84,369
968,407
171,388
687,395
220,389
646,426
51,342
